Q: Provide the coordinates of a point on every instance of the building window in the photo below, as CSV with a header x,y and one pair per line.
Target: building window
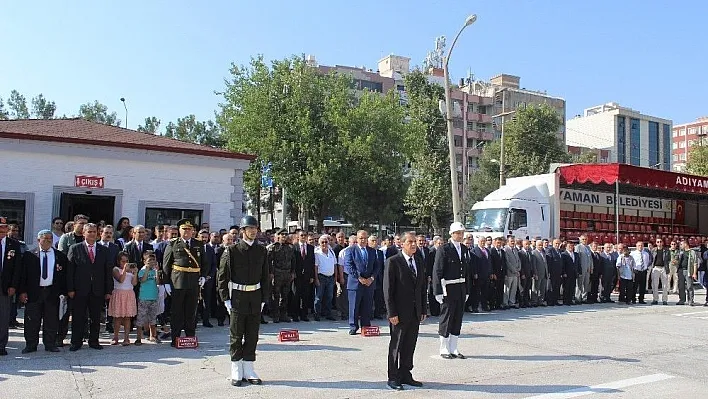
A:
x,y
458,123
692,131
155,216
470,125
682,132
470,142
682,144
674,133
653,144
621,140
481,109
666,150
635,143
458,141
400,88
674,145
14,211
472,162
682,156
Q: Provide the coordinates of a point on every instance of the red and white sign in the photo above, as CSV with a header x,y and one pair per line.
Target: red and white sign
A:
x,y
370,331
88,181
288,336
187,343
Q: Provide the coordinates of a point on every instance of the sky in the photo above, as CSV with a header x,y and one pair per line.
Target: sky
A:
x,y
167,58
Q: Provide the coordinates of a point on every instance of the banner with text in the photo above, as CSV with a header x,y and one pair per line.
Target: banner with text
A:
x,y
580,197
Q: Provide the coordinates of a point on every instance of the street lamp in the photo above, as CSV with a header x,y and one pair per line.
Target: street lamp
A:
x,y
502,171
450,137
122,99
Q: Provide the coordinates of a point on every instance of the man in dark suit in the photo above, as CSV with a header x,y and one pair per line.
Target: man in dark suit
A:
x,y
555,272
379,303
498,258
361,266
428,257
608,260
89,283
405,297
42,282
113,249
481,277
227,240
450,273
211,245
596,273
10,264
137,246
304,277
526,274
571,271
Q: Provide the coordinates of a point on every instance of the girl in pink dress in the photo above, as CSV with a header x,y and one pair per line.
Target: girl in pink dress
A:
x,y
123,305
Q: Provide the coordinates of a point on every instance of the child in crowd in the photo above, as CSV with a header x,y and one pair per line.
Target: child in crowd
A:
x,y
122,304
625,271
148,305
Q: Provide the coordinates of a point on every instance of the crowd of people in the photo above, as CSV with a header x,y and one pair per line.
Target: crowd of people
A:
x,y
312,276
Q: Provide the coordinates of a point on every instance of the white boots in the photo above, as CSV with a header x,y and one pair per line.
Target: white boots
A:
x,y
249,374
237,373
445,348
453,347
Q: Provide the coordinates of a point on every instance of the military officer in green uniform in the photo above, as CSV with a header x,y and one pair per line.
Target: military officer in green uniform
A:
x,y
243,283
185,265
281,259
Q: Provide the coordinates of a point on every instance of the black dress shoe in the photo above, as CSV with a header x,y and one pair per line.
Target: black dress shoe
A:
x,y
331,318
74,348
254,381
317,317
3,352
208,325
220,323
96,346
460,356
352,332
395,385
263,321
236,383
27,350
52,349
412,383
447,356
304,318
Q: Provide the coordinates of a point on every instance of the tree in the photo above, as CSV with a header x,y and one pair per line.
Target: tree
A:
x,y
152,125
191,130
97,112
697,163
4,115
43,109
18,105
428,200
585,156
531,145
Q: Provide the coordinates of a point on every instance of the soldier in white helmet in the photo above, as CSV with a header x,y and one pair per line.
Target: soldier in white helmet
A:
x,y
450,272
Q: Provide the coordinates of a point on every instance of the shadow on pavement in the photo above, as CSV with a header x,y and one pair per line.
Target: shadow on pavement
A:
x,y
547,358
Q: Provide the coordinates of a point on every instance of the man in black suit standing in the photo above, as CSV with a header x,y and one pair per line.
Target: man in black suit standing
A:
x,y
571,270
10,264
42,283
304,277
89,283
450,272
113,249
405,297
428,260
481,278
137,246
555,272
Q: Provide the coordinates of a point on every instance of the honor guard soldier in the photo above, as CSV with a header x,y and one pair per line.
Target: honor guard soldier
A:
x,y
243,280
185,265
281,260
450,272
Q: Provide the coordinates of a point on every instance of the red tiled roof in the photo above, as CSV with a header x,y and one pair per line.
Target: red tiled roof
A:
x,y
79,131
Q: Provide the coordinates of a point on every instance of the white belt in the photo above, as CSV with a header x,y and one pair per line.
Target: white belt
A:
x,y
444,283
244,287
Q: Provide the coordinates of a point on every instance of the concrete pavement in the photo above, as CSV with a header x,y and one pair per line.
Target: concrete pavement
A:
x,y
592,351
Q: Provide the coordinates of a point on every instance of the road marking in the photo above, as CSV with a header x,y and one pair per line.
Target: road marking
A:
x,y
604,388
689,313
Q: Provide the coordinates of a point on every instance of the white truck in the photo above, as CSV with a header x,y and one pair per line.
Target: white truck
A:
x,y
527,206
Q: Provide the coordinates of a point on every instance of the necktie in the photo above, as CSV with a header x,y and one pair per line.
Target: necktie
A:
x,y
303,250
45,266
186,244
140,248
91,254
484,251
363,254
422,253
410,264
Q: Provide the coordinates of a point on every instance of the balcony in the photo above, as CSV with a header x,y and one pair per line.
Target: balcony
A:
x,y
474,152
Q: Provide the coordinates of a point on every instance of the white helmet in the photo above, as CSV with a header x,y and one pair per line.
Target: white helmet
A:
x,y
457,226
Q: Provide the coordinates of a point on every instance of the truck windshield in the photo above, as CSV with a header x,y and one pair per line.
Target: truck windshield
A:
x,y
489,220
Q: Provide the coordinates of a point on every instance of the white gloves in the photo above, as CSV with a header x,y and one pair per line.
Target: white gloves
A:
x,y
202,280
466,297
227,303
439,298
262,305
168,289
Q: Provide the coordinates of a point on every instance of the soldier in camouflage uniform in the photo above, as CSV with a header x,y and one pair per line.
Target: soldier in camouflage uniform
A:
x,y
281,260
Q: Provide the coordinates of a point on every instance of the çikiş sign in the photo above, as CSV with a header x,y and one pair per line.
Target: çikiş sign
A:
x,y
88,181
606,199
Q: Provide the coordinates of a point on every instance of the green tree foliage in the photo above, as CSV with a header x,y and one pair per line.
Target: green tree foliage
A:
x,y
324,144
428,200
697,163
531,145
152,125
191,130
42,108
97,112
4,115
18,106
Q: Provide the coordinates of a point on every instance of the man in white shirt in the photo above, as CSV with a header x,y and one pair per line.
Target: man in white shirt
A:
x,y
642,263
325,266
57,230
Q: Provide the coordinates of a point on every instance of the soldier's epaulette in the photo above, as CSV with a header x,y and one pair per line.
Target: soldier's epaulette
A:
x,y
173,240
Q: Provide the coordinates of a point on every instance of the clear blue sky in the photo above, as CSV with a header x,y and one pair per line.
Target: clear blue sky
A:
x,y
168,57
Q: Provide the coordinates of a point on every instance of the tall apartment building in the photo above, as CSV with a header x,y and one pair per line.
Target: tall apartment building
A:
x,y
631,137
685,136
